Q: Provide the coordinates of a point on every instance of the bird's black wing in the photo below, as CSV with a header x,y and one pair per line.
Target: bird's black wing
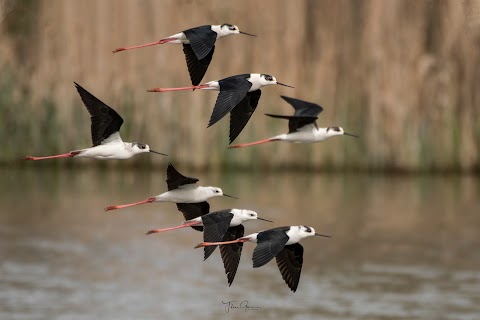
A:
x,y
196,67
289,261
193,210
105,120
269,244
175,179
215,225
232,92
202,39
231,253
240,114
294,122
303,108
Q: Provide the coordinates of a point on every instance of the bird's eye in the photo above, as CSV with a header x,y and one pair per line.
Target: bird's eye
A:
x,y
251,214
268,78
216,191
336,129
142,147
233,28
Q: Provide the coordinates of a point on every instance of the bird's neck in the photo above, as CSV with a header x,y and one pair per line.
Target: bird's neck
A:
x,y
295,235
128,146
321,134
236,219
255,79
218,30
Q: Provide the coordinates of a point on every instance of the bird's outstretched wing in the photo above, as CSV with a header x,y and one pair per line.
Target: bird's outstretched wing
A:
x,y
305,114
105,120
289,261
215,225
231,253
269,244
175,179
303,108
202,39
232,92
193,210
241,113
294,122
196,67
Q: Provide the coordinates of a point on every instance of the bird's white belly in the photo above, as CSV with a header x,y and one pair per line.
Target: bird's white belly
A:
x,y
105,151
303,137
183,196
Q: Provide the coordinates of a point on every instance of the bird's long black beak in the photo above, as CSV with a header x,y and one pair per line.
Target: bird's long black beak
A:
x,y
285,85
349,134
226,195
163,154
247,34
264,219
322,235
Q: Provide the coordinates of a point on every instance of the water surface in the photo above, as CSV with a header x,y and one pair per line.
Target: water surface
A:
x,y
403,247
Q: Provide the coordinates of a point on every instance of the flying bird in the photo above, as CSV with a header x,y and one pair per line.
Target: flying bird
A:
x,y
181,189
238,96
198,46
105,127
224,225
302,126
281,243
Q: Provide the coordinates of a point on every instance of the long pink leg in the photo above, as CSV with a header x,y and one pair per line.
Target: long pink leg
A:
x,y
144,45
149,200
202,86
240,145
206,244
184,225
65,155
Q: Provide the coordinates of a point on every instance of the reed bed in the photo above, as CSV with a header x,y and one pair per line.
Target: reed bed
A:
x,y
402,74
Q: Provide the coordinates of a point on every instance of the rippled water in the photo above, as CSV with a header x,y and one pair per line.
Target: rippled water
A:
x,y
403,247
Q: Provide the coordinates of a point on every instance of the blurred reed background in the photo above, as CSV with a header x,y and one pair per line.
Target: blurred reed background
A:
x,y
404,75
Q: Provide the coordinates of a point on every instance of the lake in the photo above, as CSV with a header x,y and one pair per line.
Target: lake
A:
x,y
402,247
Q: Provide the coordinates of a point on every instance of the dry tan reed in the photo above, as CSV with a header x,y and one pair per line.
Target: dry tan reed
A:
x,y
403,74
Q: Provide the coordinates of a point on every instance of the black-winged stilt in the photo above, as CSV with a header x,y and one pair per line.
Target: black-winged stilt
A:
x,y
281,243
107,143
302,126
198,46
181,189
224,225
238,95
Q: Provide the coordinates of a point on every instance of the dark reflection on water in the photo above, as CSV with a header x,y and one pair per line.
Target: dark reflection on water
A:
x,y
402,247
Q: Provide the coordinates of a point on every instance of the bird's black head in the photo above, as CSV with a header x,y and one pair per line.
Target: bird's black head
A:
x,y
336,129
137,147
229,26
267,77
227,29
141,146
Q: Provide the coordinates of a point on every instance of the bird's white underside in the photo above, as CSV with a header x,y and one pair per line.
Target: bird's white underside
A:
x,y
306,134
190,193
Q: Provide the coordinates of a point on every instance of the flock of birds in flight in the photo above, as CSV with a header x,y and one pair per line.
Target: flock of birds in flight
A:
x,y
239,96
